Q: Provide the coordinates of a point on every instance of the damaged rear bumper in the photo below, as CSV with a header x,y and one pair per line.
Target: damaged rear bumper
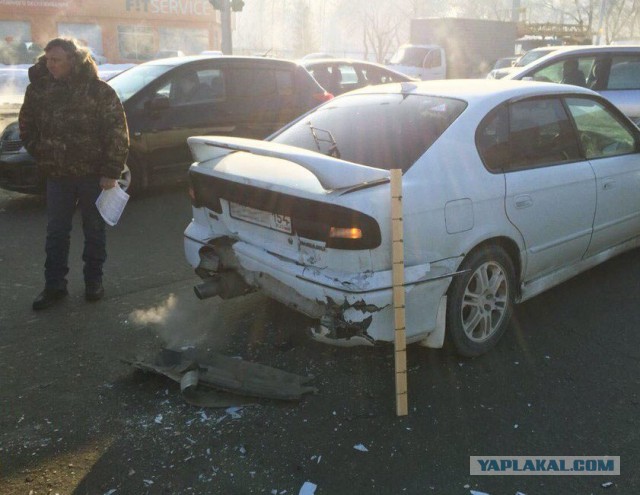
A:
x,y
351,308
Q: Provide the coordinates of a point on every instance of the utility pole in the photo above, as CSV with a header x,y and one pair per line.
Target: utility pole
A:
x,y
603,12
515,11
225,20
225,7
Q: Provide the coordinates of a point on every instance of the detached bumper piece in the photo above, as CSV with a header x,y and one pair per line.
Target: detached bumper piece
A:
x,y
215,380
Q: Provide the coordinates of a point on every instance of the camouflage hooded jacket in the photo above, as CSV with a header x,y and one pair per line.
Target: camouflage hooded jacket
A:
x,y
74,127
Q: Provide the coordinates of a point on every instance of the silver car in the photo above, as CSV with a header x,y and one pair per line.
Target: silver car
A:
x,y
509,188
613,71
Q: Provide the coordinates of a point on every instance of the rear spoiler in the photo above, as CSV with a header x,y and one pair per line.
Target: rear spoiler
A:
x,y
329,171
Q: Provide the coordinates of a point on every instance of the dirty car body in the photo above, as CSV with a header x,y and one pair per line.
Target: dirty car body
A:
x,y
509,188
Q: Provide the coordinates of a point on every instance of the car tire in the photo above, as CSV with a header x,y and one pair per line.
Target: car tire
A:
x,y
138,177
481,301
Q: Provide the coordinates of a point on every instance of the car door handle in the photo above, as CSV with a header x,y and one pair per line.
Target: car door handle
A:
x,y
608,184
524,201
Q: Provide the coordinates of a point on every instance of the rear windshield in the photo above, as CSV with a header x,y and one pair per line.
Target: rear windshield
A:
x,y
383,131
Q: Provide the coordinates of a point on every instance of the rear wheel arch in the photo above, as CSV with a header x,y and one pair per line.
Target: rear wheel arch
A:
x,y
480,299
139,175
510,247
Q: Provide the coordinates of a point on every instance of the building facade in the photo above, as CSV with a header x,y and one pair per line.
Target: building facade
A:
x,y
121,31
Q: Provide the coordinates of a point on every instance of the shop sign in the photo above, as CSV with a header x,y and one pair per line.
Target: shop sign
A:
x,y
170,7
52,4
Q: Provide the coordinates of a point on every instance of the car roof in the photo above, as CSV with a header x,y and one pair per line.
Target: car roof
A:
x,y
177,61
475,90
549,48
332,60
583,50
311,63
594,49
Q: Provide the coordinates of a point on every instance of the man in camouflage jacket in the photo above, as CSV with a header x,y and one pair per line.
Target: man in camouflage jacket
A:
x,y
75,127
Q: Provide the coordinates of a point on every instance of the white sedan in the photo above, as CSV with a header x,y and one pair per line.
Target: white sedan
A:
x,y
509,188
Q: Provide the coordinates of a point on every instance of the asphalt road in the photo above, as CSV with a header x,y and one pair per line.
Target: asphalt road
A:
x,y
75,419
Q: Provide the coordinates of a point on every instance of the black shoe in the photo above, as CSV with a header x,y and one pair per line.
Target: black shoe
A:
x,y
48,297
93,291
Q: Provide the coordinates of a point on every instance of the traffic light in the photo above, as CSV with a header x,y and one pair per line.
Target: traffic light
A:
x,y
236,5
217,4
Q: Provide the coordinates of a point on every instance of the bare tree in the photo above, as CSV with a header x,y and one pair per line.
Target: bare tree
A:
x,y
379,22
499,10
621,19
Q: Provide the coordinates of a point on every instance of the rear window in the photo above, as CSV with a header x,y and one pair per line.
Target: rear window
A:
x,y
383,131
625,73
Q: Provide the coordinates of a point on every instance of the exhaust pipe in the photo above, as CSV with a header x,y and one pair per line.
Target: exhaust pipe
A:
x,y
226,285
207,289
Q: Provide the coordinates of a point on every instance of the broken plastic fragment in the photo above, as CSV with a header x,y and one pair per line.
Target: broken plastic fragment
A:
x,y
361,448
234,412
308,488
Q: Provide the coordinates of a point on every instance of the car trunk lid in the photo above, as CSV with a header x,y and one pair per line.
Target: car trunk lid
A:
x,y
281,198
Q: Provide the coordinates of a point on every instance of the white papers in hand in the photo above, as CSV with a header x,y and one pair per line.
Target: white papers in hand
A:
x,y
111,203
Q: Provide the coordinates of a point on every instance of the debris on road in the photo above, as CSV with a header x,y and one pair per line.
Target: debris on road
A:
x,y
308,488
198,375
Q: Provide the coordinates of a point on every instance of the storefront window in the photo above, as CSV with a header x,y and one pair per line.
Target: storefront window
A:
x,y
15,43
135,42
15,31
89,35
189,41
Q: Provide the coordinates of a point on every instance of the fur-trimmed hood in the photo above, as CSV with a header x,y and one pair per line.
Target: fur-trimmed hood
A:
x,y
83,71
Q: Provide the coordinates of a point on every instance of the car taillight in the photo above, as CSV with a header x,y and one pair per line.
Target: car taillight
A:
x,y
322,97
337,226
345,233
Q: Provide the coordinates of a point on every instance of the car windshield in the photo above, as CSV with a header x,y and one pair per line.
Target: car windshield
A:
x,y
128,83
383,130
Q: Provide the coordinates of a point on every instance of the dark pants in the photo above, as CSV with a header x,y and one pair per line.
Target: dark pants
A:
x,y
63,195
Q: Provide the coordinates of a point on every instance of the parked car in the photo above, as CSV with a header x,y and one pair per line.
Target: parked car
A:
x,y
502,67
509,188
13,85
338,76
504,62
525,59
168,100
612,71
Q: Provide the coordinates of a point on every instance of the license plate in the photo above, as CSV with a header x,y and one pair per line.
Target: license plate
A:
x,y
275,221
